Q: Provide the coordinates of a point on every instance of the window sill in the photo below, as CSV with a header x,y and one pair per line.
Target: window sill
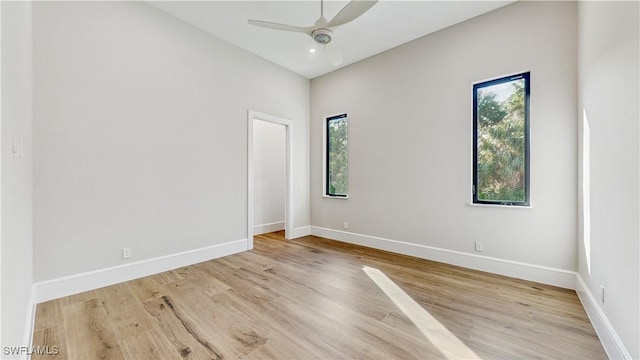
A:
x,y
336,197
527,207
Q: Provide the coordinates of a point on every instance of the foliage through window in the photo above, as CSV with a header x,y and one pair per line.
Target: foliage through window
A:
x,y
336,156
501,141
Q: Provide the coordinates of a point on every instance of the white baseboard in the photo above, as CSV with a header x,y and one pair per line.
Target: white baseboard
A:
x,y
516,269
267,228
69,285
608,336
299,232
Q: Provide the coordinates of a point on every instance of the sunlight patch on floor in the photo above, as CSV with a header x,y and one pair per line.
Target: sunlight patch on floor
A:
x,y
446,342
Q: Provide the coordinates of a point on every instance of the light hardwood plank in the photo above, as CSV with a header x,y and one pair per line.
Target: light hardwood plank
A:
x,y
51,344
198,276
48,314
311,299
123,309
150,344
89,333
282,340
178,331
147,288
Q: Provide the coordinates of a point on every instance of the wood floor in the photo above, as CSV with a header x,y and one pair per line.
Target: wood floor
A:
x,y
313,298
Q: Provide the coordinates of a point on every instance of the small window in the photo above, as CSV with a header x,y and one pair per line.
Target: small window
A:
x,y
336,159
501,141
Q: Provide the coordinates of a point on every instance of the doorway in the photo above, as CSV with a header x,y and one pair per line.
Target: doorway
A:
x,y
258,196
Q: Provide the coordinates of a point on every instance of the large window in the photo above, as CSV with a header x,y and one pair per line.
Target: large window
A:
x,y
336,156
501,141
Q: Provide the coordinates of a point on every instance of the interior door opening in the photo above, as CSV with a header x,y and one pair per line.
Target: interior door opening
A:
x,y
269,175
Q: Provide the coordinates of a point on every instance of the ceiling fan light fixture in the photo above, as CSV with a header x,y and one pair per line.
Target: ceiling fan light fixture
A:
x,y
321,36
319,31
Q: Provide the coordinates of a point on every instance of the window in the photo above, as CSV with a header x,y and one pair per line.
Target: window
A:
x,y
501,141
336,156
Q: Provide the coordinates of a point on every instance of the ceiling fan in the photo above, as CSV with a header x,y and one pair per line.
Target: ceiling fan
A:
x,y
321,32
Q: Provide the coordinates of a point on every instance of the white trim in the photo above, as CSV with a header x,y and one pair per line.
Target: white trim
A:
x,y
609,338
1,147
335,197
300,232
498,206
267,228
516,269
69,285
288,213
501,76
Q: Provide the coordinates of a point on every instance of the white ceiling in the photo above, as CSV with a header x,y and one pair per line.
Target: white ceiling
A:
x,y
386,25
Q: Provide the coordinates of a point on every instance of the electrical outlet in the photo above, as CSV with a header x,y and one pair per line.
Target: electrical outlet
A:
x,y
126,253
345,225
602,293
479,246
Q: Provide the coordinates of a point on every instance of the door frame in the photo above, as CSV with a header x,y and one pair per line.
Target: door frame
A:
x,y
288,214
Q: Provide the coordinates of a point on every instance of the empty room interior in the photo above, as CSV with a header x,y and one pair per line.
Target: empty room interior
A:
x,y
320,179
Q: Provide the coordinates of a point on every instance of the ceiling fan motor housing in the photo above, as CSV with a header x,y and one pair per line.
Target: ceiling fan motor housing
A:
x,y
322,36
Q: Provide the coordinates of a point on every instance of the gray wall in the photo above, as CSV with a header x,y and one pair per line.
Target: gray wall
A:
x,y
16,189
141,135
609,61
410,137
140,141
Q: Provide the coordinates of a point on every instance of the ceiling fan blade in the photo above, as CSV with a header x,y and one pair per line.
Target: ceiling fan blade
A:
x,y
333,53
282,27
351,11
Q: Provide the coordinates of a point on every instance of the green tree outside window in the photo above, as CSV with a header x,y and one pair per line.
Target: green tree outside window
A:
x,y
501,144
337,141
